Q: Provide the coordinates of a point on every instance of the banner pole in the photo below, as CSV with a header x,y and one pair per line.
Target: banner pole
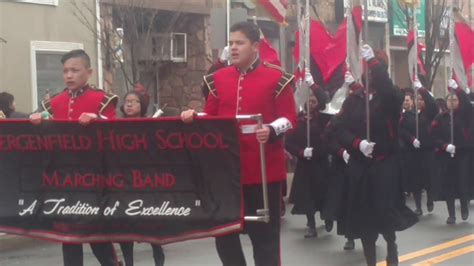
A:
x,y
263,215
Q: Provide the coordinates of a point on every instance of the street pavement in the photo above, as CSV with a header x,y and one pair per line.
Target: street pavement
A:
x,y
430,242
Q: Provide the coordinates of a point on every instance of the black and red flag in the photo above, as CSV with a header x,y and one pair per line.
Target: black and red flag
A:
x,y
330,52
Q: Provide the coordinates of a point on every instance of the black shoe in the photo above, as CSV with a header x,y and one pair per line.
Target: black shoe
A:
x,y
329,225
311,233
349,245
430,206
464,212
418,212
451,220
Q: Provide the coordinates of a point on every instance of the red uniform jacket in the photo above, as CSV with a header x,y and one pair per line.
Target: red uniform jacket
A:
x,y
263,89
68,105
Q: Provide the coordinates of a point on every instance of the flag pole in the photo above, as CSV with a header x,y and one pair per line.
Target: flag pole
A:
x,y
366,40
415,72
307,69
228,6
451,74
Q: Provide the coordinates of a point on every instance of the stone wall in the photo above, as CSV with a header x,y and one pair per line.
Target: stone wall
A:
x,y
180,83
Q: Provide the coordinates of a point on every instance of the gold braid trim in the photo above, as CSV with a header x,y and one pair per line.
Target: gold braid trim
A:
x,y
108,99
211,87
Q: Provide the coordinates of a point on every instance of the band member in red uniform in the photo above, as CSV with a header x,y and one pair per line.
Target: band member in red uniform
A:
x,y
251,87
79,101
374,191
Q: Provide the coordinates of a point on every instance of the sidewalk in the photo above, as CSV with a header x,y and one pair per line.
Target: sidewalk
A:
x,y
11,242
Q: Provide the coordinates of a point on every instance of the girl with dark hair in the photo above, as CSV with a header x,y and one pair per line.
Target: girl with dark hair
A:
x,y
8,108
452,180
418,151
135,105
310,179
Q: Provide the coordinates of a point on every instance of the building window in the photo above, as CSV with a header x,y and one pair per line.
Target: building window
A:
x,y
46,68
40,2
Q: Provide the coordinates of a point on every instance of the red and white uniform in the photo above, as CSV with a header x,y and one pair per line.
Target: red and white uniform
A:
x,y
70,105
264,89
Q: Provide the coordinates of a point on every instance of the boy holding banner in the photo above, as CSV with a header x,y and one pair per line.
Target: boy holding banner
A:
x,y
80,101
250,86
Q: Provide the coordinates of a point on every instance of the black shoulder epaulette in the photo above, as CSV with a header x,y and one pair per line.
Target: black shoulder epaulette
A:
x,y
211,86
273,66
108,99
93,87
285,79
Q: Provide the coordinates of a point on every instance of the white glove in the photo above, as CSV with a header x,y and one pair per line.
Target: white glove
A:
x,y
467,90
308,153
416,143
158,113
452,84
366,52
417,84
346,156
308,78
366,148
225,55
348,78
451,148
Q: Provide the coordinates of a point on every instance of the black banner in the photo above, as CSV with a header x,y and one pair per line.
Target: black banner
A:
x,y
145,180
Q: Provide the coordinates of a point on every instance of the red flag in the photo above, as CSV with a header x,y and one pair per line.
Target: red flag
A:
x,y
465,40
411,56
268,53
463,51
275,8
327,51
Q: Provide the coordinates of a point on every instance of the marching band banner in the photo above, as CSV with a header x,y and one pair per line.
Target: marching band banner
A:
x,y
156,181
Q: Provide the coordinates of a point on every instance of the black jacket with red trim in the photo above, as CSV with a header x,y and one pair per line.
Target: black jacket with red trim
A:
x,y
385,107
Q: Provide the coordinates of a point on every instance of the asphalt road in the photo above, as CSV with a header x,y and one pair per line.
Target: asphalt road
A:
x,y
430,242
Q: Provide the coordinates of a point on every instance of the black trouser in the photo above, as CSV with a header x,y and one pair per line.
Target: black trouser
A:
x,y
265,237
368,243
104,252
451,208
417,197
127,250
311,220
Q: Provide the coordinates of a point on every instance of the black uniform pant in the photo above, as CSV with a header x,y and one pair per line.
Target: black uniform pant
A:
x,y
368,243
265,237
127,250
104,252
